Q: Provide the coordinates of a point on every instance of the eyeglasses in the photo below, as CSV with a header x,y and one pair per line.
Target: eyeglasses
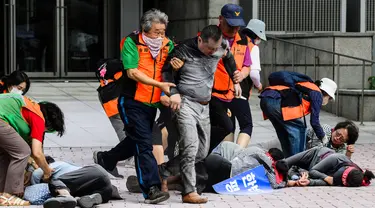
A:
x,y
340,135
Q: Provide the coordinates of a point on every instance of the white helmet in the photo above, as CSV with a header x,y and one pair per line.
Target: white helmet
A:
x,y
328,86
258,27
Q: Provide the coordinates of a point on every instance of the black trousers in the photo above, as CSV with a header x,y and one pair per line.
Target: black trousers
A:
x,y
84,181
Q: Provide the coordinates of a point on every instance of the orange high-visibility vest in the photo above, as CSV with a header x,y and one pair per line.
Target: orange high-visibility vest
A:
x,y
295,109
223,85
33,107
151,68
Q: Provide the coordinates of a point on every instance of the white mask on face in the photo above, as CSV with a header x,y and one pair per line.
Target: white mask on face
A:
x,y
325,100
257,41
153,44
17,91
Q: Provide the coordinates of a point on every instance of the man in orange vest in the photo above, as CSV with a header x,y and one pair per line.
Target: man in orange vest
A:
x,y
143,56
222,94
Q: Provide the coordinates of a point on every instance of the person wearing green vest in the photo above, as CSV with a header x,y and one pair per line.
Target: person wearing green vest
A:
x,y
23,123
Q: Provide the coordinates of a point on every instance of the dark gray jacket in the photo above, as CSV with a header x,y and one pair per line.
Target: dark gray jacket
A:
x,y
195,79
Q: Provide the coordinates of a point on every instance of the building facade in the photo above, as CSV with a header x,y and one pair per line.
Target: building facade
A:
x,y
65,38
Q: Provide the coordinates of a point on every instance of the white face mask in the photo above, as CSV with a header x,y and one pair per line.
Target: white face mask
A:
x,y
17,91
257,41
325,100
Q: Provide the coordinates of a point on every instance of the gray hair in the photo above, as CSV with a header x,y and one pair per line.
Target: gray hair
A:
x,y
153,16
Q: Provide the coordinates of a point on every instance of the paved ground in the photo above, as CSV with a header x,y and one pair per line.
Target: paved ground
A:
x,y
88,129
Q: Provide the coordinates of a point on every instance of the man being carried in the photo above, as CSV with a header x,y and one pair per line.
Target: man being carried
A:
x,y
190,97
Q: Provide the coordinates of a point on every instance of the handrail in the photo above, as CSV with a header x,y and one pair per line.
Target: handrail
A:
x,y
339,55
319,49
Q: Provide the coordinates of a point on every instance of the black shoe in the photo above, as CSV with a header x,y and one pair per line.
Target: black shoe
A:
x,y
98,159
115,173
90,201
132,184
60,202
155,196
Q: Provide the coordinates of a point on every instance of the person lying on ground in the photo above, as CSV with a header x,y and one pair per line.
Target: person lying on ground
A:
x,y
89,184
327,168
243,159
228,160
341,138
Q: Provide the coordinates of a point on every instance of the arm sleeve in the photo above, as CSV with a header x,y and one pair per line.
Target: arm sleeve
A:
x,y
229,64
255,77
36,176
319,170
247,59
129,54
168,74
255,59
316,103
36,124
317,182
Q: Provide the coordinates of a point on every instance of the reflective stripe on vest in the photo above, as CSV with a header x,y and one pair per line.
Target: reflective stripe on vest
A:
x,y
299,110
223,85
151,68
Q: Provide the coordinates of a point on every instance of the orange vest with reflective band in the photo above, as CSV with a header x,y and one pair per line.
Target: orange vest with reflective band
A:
x,y
295,110
151,68
223,85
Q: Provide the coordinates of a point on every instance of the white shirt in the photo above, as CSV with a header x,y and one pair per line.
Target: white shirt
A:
x,y
255,66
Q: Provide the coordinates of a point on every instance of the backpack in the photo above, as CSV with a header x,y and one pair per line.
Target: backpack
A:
x,y
107,69
110,76
287,78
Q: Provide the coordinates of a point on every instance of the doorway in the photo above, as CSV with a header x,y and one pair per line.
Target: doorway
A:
x,y
57,38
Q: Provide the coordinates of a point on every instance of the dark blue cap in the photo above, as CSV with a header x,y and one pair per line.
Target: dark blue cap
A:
x,y
233,15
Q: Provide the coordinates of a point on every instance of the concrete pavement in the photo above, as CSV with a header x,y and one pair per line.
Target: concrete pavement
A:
x,y
88,129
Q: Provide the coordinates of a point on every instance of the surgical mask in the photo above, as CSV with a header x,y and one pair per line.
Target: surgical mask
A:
x,y
16,90
153,44
257,41
325,100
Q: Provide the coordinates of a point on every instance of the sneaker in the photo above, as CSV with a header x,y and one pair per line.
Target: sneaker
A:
x,y
90,201
98,159
60,202
155,196
132,184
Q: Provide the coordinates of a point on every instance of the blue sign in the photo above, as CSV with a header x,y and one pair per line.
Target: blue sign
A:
x,y
253,181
